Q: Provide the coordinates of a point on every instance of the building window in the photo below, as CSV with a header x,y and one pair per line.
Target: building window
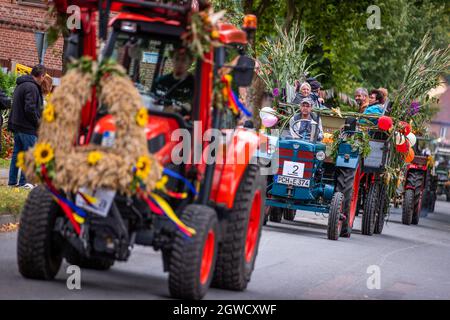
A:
x,y
34,3
443,132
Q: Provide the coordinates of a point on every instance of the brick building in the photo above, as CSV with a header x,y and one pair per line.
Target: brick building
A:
x,y
19,20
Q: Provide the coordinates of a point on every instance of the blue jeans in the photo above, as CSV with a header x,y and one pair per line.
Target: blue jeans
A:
x,y
22,142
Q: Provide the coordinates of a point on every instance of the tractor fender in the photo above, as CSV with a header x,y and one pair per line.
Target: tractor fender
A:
x,y
237,151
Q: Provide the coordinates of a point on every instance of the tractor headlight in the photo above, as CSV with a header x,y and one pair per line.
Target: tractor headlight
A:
x,y
320,155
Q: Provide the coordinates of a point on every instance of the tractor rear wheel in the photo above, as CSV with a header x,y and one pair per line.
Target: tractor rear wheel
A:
x,y
371,210
192,260
38,253
408,207
347,182
275,214
237,253
335,216
289,214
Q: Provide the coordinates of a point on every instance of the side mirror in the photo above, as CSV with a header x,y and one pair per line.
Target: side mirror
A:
x,y
243,71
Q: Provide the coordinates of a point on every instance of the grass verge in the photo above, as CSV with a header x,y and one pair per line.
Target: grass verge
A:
x,y
12,199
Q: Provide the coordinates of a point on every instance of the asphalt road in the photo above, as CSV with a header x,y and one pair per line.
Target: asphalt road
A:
x,y
295,261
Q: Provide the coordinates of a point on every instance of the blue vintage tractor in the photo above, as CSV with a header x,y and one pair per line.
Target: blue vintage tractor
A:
x,y
304,180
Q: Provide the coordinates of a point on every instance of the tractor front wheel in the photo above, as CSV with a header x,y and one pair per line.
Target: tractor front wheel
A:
x,y
38,253
275,214
379,223
335,216
289,214
347,182
237,253
371,210
417,207
408,207
192,260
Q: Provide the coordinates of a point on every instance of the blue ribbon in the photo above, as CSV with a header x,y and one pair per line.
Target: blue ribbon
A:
x,y
175,175
72,206
240,105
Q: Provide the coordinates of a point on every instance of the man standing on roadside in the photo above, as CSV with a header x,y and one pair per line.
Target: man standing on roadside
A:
x,y
24,118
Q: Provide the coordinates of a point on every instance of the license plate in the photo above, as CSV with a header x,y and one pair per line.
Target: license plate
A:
x,y
296,182
293,169
99,201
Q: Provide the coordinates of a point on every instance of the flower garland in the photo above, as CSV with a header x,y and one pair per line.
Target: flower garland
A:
x,y
202,34
72,167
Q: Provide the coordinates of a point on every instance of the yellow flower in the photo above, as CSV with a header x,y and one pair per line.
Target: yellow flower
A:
x,y
228,77
94,157
142,117
20,163
49,113
143,167
215,34
43,153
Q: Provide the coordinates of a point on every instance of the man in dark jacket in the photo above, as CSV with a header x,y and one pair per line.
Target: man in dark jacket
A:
x,y
25,116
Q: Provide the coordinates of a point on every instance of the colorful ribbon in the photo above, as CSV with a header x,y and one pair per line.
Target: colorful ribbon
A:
x,y
75,215
176,175
233,101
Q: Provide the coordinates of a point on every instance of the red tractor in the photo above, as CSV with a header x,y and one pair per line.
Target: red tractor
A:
x,y
227,210
415,182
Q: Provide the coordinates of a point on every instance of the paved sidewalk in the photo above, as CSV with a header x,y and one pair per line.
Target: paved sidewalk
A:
x,y
4,173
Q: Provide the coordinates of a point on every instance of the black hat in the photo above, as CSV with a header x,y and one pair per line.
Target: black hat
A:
x,y
315,85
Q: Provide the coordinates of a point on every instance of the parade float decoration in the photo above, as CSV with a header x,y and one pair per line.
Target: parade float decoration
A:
x,y
69,169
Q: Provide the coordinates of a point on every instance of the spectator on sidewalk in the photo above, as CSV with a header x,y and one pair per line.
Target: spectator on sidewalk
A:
x,y
24,118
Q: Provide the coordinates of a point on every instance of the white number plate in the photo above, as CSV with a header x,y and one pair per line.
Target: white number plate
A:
x,y
100,200
293,169
293,181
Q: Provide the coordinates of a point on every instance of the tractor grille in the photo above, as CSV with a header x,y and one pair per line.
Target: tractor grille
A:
x,y
302,156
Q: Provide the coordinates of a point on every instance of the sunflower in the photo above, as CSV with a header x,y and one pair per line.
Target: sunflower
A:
x,y
94,157
49,113
43,153
20,163
143,166
142,117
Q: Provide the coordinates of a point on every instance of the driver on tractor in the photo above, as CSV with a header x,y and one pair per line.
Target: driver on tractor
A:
x,y
176,89
300,125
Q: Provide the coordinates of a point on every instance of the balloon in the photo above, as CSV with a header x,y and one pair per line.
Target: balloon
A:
x,y
411,138
403,148
410,156
269,121
399,138
266,111
385,123
405,128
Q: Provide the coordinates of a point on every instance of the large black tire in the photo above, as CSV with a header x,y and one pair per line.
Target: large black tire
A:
x,y
408,207
371,210
275,214
335,216
379,223
95,263
186,256
38,246
417,207
233,268
289,214
344,184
